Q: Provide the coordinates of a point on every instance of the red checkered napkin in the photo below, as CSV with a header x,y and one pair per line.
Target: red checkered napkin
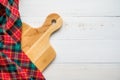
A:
x,y
14,64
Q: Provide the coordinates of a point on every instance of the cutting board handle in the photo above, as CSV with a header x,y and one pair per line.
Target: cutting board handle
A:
x,y
52,23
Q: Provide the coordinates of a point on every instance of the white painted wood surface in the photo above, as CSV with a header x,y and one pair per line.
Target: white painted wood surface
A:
x,y
88,44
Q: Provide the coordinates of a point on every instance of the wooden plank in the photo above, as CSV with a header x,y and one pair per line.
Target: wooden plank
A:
x,y
83,72
84,28
70,7
87,51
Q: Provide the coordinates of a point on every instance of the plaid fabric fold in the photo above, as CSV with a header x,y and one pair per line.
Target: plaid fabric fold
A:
x,y
14,64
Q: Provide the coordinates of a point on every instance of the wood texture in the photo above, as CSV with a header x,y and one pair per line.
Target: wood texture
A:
x,y
89,36
35,41
83,72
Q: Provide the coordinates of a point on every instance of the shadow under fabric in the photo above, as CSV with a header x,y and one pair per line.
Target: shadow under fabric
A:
x,y
14,64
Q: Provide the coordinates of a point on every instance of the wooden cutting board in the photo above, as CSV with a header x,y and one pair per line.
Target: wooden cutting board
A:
x,y
35,41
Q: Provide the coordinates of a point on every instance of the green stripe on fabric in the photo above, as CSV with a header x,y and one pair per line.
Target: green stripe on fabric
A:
x,y
7,12
11,1
16,47
12,68
17,62
1,46
18,22
32,66
2,20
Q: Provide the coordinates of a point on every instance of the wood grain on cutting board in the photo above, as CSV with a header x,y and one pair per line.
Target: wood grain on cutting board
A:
x,y
89,36
35,41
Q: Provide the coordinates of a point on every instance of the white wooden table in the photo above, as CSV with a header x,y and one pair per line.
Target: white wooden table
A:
x,y
88,44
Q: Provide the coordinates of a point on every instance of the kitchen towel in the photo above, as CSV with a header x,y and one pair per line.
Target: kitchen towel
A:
x,y
14,64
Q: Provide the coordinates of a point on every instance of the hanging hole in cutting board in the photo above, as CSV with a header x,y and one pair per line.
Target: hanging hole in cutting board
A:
x,y
53,22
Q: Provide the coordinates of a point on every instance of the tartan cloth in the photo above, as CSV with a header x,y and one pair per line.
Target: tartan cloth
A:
x,y
14,63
